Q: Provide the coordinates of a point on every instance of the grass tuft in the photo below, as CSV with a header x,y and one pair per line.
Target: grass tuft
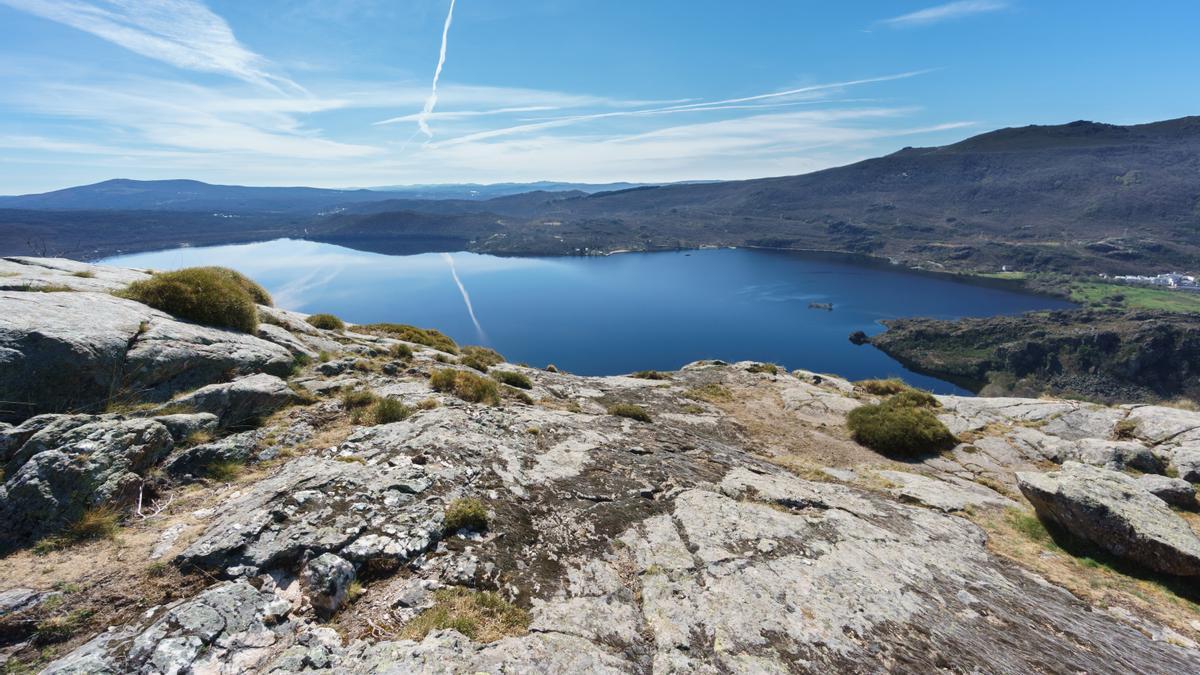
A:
x,y
633,412
465,385
387,411
422,336
465,514
713,393
650,375
480,358
326,322
100,522
207,295
513,379
768,368
888,387
481,616
903,425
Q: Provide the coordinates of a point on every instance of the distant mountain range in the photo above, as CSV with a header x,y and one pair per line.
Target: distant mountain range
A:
x,y
1083,197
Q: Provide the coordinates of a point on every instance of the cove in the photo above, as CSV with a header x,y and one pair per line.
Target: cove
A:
x,y
619,313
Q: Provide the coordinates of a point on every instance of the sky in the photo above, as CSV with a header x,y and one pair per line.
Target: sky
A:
x,y
336,93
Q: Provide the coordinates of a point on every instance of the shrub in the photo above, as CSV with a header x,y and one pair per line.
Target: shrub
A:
x,y
326,322
258,293
482,616
513,379
769,368
201,294
480,358
465,385
358,398
100,522
551,368
713,393
633,412
400,351
886,387
388,410
467,513
650,375
422,336
902,425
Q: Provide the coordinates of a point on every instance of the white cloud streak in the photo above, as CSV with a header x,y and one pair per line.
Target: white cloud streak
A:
x,y
466,296
423,117
182,33
946,12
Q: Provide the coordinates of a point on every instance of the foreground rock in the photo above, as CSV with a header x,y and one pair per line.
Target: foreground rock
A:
x,y
65,464
1112,511
63,352
237,403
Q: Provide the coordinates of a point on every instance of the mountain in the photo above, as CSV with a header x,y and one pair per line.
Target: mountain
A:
x,y
1082,197
490,191
188,195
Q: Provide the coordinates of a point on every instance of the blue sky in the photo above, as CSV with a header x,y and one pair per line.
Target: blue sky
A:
x,y
329,93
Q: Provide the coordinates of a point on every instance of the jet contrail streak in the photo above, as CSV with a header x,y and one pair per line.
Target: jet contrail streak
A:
x,y
466,296
423,118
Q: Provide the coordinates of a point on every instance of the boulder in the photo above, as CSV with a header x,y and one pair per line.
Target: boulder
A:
x,y
951,494
72,463
326,580
239,402
1186,461
231,627
186,425
63,352
1114,455
192,463
315,506
1174,491
1110,510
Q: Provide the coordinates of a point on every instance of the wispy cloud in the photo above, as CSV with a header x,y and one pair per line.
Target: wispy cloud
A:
x,y
702,106
946,12
183,33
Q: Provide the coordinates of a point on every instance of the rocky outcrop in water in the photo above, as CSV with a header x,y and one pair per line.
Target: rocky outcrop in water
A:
x,y
1102,355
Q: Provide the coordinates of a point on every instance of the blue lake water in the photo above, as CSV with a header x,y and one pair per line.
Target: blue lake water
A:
x,y
617,314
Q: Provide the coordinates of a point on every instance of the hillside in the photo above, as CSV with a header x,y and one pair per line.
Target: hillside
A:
x,y
1080,198
182,498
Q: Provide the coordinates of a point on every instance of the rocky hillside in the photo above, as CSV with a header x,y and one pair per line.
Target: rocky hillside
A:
x,y
1104,355
186,499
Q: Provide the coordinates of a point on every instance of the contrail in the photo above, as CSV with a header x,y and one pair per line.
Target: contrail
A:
x,y
423,118
466,296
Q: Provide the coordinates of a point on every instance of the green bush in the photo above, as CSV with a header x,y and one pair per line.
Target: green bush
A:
x,y
480,358
205,295
513,379
422,336
465,385
326,322
633,412
650,375
886,387
358,399
467,513
902,425
260,294
388,410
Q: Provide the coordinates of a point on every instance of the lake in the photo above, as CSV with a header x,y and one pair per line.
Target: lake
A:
x,y
620,313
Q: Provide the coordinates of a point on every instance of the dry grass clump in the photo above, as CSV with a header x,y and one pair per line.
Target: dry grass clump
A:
x,y
465,385
650,375
422,336
902,425
713,393
888,387
212,296
326,322
258,293
513,379
100,522
387,411
768,368
481,616
400,351
480,358
358,398
633,412
467,513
